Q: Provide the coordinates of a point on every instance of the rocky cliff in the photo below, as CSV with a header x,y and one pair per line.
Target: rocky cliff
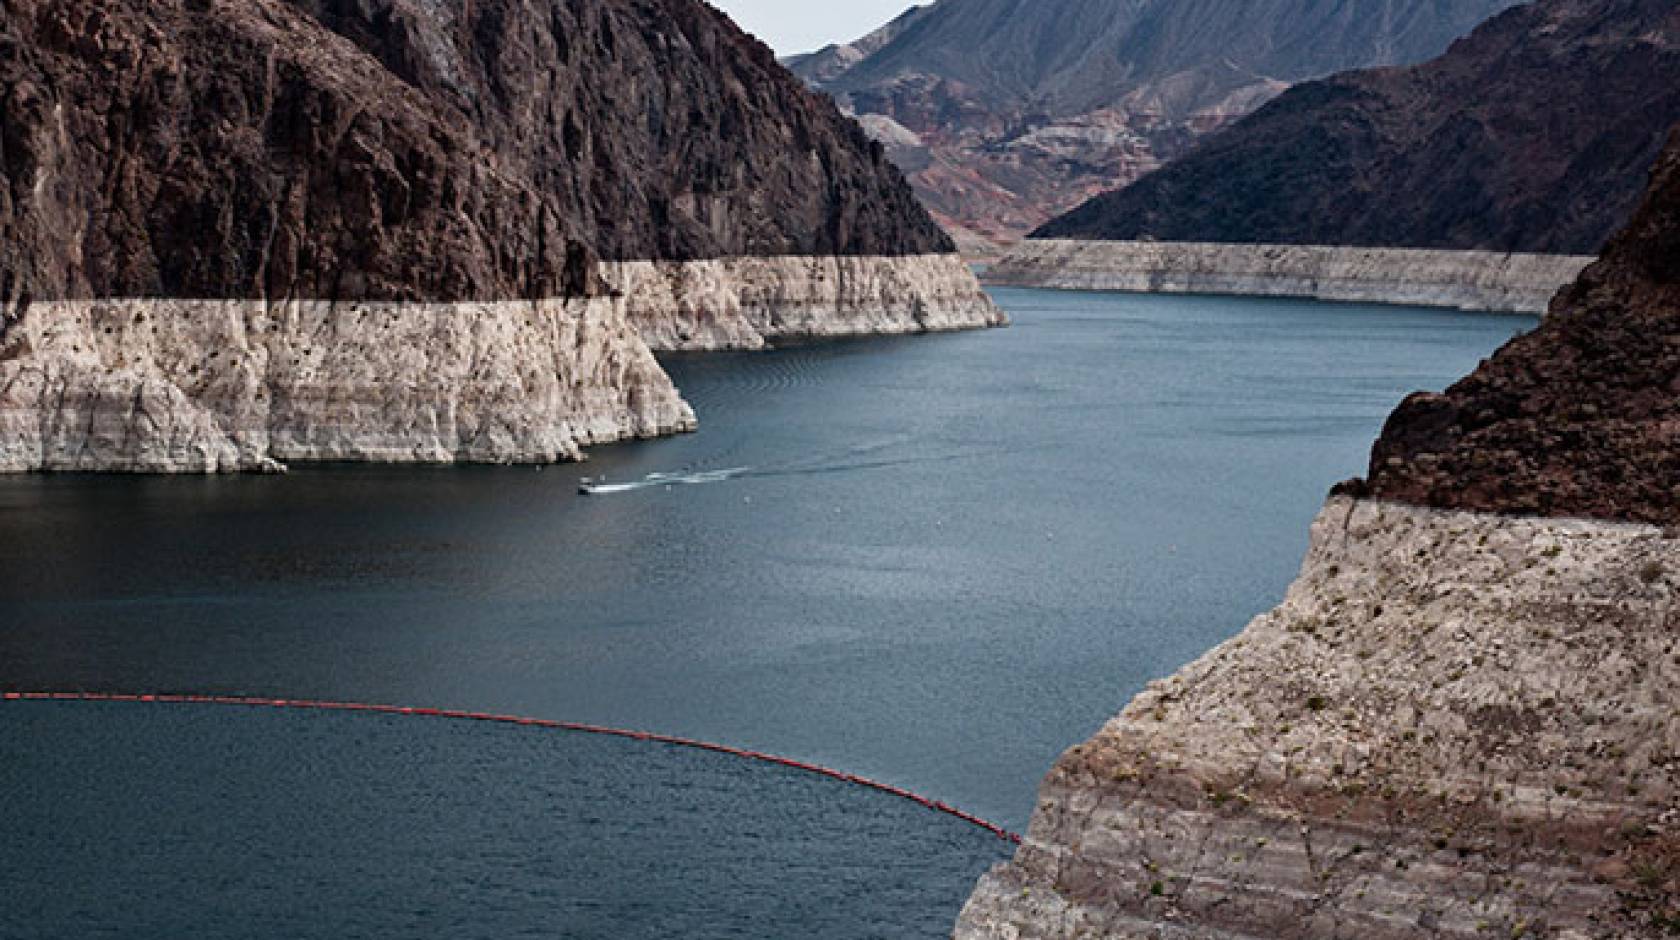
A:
x,y
238,171
1531,135
1581,418
1466,280
1464,720
1006,113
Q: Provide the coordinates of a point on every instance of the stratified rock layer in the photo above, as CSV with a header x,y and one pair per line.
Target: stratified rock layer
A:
x,y
204,386
1531,135
1470,280
1457,725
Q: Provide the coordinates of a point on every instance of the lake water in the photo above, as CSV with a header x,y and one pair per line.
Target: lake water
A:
x,y
934,561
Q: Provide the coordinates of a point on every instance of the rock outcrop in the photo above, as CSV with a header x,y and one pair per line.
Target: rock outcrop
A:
x,y
1581,418
1467,280
1464,720
266,172
1457,725
1007,113
1531,135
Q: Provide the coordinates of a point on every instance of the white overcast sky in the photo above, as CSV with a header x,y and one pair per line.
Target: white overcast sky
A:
x,y
791,26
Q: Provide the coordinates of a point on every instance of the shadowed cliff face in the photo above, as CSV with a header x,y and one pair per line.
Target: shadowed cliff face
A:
x,y
1534,134
1579,418
1006,113
428,150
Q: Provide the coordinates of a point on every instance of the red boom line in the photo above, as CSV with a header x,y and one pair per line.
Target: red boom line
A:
x,y
306,705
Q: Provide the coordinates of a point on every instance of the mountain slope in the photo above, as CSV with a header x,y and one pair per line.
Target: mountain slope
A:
x,y
1011,111
830,62
1531,135
234,232
445,150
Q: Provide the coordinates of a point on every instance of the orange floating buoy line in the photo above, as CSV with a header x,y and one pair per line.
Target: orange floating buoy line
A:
x,y
308,705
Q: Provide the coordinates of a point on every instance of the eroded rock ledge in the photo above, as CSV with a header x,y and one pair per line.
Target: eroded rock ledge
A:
x,y
196,386
167,386
1470,280
749,303
1457,725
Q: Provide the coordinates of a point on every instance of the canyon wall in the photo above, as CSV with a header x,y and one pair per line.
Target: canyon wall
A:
x,y
1532,134
1470,280
235,233
1464,719
205,386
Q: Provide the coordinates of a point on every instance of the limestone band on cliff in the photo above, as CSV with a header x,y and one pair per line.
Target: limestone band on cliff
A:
x,y
1464,720
1467,280
475,163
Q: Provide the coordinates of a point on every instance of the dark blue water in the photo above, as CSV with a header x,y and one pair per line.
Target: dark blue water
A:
x,y
176,823
948,558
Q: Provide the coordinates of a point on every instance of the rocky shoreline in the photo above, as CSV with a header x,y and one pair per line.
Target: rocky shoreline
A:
x,y
751,303
1466,280
173,386
207,386
236,234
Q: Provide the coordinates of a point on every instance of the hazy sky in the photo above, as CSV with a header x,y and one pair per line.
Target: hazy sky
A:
x,y
791,26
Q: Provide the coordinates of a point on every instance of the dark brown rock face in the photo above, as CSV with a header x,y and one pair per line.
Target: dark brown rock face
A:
x,y
1531,135
435,150
1580,417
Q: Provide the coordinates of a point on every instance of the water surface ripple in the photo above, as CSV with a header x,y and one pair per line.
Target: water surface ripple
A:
x,y
932,561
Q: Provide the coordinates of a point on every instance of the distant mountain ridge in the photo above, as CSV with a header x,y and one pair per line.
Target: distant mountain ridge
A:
x,y
1531,135
833,61
1006,112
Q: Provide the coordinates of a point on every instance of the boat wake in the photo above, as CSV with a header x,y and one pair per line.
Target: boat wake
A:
x,y
867,457
593,488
